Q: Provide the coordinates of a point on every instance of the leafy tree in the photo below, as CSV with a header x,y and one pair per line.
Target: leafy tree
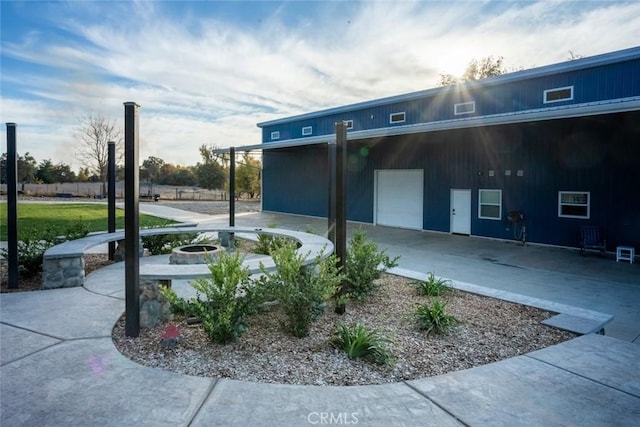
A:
x,y
45,171
248,176
183,176
84,175
476,70
210,173
93,137
26,168
483,68
63,173
49,173
150,169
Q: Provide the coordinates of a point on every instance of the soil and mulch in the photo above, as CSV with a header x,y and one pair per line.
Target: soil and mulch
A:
x,y
489,330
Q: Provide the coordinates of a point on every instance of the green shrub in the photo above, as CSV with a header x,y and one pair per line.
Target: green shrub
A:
x,y
268,244
78,230
30,253
224,300
432,286
364,264
433,317
163,243
34,243
357,341
301,290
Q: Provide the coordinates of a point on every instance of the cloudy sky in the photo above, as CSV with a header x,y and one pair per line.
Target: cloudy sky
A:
x,y
205,72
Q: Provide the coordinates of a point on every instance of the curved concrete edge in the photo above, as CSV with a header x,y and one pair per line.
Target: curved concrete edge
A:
x,y
571,318
63,264
88,382
311,248
591,380
63,314
530,391
77,247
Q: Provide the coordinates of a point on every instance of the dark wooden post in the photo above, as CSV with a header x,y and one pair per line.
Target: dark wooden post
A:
x,y
341,205
111,203
131,220
331,214
232,186
12,207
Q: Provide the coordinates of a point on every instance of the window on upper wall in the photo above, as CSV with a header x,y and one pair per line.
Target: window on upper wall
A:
x,y
275,135
307,130
397,117
464,108
349,124
574,204
558,94
490,204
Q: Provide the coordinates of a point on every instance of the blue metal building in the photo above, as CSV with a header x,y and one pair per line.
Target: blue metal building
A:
x,y
552,148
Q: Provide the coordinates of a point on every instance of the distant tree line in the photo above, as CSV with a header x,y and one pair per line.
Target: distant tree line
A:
x,y
211,173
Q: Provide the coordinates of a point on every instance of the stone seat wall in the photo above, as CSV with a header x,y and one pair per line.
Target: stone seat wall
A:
x,y
63,264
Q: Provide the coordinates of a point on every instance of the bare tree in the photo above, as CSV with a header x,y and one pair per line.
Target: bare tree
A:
x,y
93,136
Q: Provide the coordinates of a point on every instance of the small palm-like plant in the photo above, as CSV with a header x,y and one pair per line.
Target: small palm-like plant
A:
x,y
434,318
433,286
357,341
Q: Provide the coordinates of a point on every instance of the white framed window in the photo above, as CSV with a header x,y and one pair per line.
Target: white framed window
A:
x,y
574,204
397,117
307,130
558,94
490,204
275,134
464,108
349,124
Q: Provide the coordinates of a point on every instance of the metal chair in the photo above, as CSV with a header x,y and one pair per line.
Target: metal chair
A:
x,y
591,239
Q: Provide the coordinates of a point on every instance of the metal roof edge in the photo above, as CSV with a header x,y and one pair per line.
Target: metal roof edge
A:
x,y
561,112
322,139
579,110
569,65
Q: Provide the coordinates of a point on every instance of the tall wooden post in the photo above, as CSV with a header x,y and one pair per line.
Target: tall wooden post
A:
x,y
131,220
331,214
341,204
232,186
111,201
12,207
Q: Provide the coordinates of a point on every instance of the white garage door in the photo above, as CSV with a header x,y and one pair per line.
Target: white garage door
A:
x,y
399,195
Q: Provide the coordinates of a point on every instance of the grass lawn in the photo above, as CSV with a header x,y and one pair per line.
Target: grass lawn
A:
x,y
45,219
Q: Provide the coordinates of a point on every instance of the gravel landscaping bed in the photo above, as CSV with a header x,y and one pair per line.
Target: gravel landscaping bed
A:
x,y
489,330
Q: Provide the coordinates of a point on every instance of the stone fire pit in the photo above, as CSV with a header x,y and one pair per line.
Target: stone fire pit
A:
x,y
194,254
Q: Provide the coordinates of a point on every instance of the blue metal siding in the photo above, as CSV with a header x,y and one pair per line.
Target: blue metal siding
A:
x,y
599,154
295,181
592,84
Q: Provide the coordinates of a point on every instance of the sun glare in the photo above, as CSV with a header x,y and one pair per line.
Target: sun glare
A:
x,y
454,65
455,61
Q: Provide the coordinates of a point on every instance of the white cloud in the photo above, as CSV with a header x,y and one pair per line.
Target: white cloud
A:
x,y
206,80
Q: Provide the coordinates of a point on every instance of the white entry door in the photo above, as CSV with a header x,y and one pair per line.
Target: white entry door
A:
x,y
399,198
461,211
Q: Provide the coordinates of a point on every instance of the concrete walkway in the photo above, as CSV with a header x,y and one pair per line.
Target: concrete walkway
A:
x,y
59,366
